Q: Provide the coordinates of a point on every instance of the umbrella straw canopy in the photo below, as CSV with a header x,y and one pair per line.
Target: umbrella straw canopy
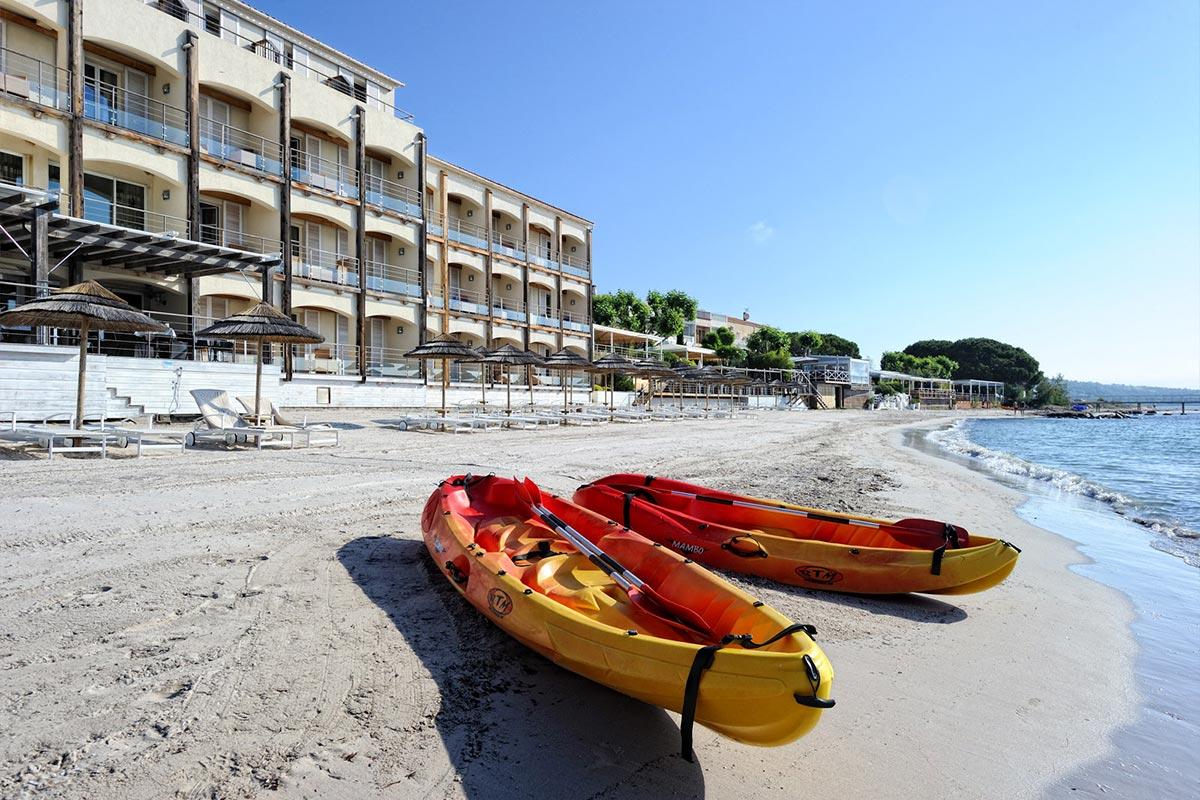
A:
x,y
85,307
567,361
260,324
445,348
509,356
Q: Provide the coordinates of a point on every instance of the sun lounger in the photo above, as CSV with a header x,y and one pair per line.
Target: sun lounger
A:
x,y
219,422
453,424
65,438
319,433
126,433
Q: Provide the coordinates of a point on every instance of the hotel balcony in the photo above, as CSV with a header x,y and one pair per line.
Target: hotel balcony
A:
x,y
510,246
240,147
575,265
387,362
393,196
326,358
121,108
508,309
544,315
434,222
395,280
467,300
542,256
324,266
27,78
467,233
328,176
239,240
99,209
576,322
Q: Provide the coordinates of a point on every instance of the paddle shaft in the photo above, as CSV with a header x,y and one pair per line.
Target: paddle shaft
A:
x,y
624,578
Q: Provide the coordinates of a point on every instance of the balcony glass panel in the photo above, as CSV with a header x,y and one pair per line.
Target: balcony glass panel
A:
x,y
30,79
240,147
392,196
113,105
389,278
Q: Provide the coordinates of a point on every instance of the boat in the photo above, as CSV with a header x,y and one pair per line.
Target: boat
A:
x,y
802,546
611,605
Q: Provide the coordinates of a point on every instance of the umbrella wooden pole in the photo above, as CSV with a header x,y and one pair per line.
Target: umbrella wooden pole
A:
x,y
507,391
483,384
258,386
566,377
612,395
529,380
445,380
83,333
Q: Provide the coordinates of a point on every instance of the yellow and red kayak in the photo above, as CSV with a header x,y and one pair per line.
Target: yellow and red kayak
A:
x,y
684,639
802,546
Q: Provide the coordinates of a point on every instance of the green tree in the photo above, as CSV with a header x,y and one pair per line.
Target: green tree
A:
x,y
1052,392
775,359
923,366
803,343
984,359
768,340
722,341
622,309
834,345
669,311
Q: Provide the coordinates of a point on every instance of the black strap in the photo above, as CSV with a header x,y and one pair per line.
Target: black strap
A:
x,y
625,509
703,660
649,479
949,539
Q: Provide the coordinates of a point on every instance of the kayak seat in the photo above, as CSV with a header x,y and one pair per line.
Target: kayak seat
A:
x,y
575,581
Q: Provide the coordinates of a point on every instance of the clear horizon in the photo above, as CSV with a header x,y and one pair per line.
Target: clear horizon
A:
x,y
1023,172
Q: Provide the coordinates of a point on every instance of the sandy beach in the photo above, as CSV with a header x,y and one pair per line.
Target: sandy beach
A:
x,y
245,624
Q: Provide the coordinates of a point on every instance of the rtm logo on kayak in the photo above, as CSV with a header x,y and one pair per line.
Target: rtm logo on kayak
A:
x,y
499,602
686,548
819,575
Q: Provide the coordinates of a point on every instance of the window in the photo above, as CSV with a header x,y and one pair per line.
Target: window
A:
x,y
212,20
12,168
113,202
221,223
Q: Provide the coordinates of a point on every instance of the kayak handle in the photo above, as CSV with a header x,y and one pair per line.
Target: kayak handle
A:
x,y
812,701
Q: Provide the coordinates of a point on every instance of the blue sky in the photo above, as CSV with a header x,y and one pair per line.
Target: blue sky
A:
x,y
885,171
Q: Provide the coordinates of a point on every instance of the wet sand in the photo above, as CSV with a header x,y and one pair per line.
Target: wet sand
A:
x,y
268,624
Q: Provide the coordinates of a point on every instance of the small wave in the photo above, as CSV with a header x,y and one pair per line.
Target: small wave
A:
x,y
955,440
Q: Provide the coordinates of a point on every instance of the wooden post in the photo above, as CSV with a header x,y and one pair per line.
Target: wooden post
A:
x,y
443,255
75,127
39,262
591,323
258,384
422,245
285,214
83,334
558,278
192,99
487,265
360,237
525,275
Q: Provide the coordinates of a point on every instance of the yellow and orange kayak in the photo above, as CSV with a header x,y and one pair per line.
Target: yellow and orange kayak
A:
x,y
685,639
802,546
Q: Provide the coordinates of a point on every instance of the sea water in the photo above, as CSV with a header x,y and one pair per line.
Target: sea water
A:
x,y
1128,492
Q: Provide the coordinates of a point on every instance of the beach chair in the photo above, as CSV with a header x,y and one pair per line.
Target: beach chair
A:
x,y
320,433
220,422
127,433
57,438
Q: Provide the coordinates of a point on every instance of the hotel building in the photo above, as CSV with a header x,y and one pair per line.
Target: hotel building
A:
x,y
197,156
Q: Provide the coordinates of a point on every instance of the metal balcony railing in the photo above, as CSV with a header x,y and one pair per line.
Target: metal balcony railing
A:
x,y
113,105
30,79
435,222
383,277
324,265
544,315
508,309
239,240
467,300
576,322
459,230
320,173
393,196
509,245
388,362
327,358
240,147
542,255
575,265
98,209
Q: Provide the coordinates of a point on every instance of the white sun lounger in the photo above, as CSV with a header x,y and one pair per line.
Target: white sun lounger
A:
x,y
219,422
319,433
57,438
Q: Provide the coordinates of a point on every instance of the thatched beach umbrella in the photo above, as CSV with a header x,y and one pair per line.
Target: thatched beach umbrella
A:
x,y
85,307
509,356
445,348
611,364
261,324
651,368
567,361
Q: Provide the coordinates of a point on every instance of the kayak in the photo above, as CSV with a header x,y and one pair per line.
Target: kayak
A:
x,y
802,546
612,606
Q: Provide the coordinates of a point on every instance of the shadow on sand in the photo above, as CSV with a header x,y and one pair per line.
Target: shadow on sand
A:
x,y
513,724
914,607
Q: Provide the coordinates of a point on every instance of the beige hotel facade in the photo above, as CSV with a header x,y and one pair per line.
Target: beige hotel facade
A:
x,y
205,155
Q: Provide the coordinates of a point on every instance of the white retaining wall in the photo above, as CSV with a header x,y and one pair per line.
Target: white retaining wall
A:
x,y
36,381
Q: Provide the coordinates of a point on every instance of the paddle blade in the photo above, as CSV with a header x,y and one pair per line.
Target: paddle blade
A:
x,y
528,491
926,532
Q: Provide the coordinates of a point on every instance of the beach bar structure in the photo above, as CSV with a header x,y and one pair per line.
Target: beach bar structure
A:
x,y
930,392
974,393
197,158
838,381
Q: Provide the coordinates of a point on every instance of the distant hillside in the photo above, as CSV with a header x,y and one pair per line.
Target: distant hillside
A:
x,y
1090,390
